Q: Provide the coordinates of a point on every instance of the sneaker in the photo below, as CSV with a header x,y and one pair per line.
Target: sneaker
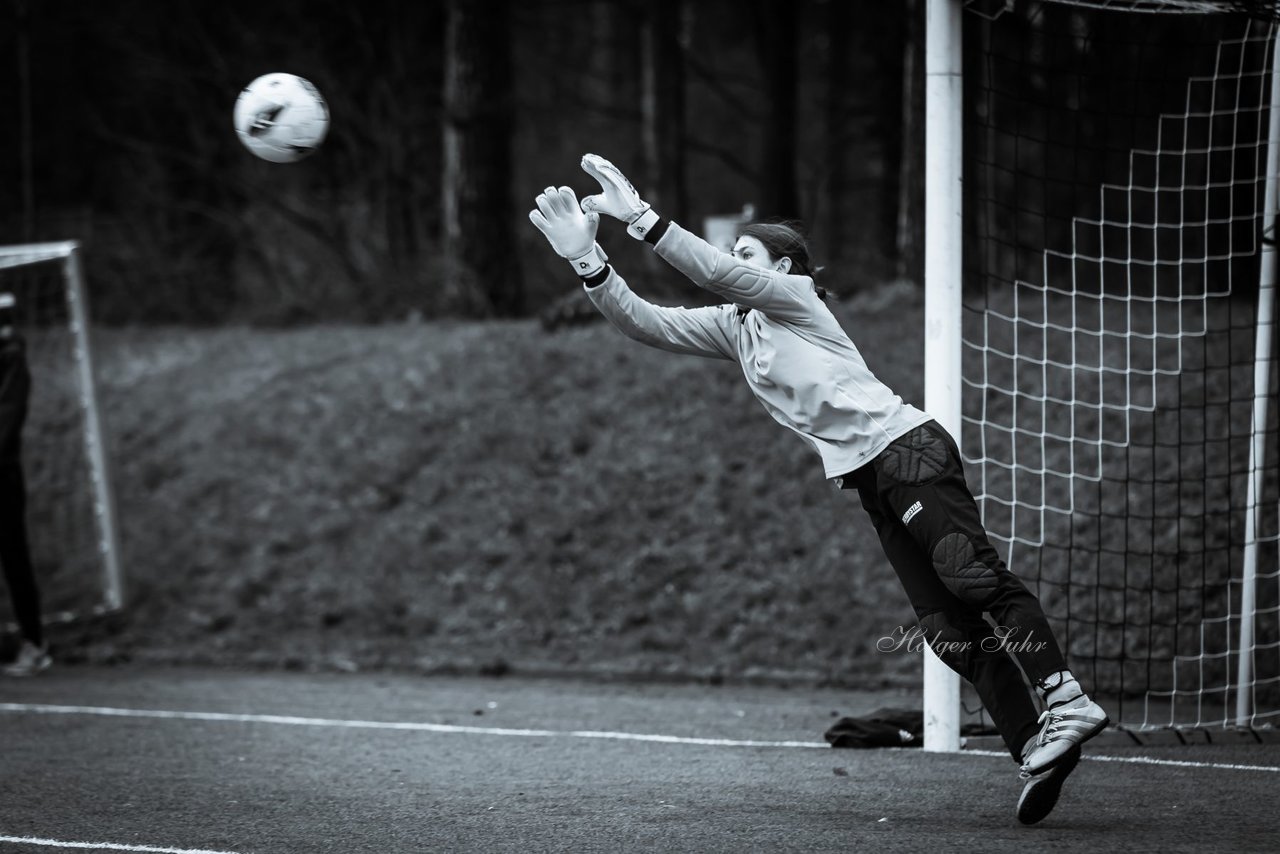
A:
x,y
31,660
1064,726
1040,795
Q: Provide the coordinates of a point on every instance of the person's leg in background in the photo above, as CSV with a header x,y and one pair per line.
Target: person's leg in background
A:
x,y
15,556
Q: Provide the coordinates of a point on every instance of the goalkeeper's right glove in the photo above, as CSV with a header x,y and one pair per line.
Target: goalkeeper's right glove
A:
x,y
619,199
571,233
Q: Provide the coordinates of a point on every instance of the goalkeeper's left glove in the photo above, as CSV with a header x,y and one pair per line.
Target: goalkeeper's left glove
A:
x,y
619,199
571,233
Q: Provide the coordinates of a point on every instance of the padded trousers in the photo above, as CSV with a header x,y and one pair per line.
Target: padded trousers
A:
x,y
928,522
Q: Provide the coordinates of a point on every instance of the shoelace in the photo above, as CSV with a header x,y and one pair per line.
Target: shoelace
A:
x,y
1050,719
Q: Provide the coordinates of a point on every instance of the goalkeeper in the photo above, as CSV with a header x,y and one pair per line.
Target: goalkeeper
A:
x,y
907,470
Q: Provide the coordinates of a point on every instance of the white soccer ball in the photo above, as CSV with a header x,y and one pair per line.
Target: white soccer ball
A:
x,y
281,117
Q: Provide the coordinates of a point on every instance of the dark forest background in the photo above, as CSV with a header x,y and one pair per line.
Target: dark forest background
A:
x,y
119,135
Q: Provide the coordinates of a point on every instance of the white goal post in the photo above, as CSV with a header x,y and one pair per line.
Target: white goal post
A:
x,y
943,276
1112,388
70,507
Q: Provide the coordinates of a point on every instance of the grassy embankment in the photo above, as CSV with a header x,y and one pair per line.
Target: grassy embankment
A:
x,y
483,497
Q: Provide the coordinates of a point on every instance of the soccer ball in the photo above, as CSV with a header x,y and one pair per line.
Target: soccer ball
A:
x,y
281,117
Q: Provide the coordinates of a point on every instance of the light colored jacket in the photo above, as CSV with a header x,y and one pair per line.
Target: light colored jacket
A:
x,y
796,357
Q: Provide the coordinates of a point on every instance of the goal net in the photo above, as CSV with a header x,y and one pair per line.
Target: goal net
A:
x,y
69,512
1119,367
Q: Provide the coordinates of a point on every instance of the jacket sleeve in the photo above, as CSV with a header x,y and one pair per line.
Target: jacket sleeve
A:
x,y
779,295
691,331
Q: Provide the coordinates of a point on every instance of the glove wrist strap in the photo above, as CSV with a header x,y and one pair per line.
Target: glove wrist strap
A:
x,y
590,262
639,229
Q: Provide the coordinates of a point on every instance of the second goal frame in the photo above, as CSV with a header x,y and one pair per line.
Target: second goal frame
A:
x,y
62,263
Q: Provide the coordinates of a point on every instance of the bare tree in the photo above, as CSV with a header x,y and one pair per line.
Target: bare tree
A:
x,y
909,240
663,101
839,25
24,118
777,28
483,274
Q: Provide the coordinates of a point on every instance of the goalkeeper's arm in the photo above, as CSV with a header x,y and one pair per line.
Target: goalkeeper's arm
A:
x,y
699,331
693,331
777,294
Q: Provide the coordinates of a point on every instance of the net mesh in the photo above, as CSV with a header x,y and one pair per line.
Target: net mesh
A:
x,y
1262,9
64,517
1115,184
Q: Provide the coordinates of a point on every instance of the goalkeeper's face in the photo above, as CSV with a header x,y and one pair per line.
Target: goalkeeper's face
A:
x,y
751,251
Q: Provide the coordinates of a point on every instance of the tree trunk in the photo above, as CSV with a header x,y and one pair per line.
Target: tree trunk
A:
x,y
482,274
910,201
777,40
663,101
839,26
24,122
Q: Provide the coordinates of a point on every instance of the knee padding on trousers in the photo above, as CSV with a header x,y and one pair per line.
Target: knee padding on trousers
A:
x,y
915,459
971,580
949,643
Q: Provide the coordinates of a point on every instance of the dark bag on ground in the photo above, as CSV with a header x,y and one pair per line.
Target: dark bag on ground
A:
x,y
881,728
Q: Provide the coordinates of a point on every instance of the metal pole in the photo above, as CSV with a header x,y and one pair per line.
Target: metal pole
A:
x,y
943,233
1261,402
95,443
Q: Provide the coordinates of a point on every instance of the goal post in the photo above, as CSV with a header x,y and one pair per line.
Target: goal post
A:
x,y
1119,161
943,276
70,506
1261,407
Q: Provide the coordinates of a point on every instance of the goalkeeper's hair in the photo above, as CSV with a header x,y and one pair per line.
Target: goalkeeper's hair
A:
x,y
786,239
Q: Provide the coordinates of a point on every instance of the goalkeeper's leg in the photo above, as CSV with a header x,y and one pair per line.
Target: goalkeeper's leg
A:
x,y
966,643
957,633
920,482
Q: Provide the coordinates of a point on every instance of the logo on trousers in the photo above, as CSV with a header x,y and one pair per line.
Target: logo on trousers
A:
x,y
911,512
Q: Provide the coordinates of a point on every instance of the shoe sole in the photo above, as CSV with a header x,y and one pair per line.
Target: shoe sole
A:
x,y
1025,774
1040,796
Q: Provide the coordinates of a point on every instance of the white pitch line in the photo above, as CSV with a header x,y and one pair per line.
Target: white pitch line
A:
x,y
415,726
411,726
106,846
1147,760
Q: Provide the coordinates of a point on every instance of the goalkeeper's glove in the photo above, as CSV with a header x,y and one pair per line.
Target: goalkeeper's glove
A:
x,y
570,231
619,199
